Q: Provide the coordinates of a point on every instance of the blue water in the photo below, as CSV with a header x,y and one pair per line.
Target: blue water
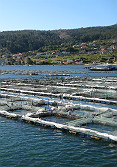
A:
x,y
26,145
55,68
50,67
23,145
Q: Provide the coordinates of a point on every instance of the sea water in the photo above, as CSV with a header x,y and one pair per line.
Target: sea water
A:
x,y
23,145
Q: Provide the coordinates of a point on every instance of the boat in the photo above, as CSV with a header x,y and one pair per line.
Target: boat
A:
x,y
103,67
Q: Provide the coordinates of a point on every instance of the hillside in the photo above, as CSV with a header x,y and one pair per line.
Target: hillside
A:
x,y
29,40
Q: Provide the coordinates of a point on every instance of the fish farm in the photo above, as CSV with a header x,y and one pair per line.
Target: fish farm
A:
x,y
78,105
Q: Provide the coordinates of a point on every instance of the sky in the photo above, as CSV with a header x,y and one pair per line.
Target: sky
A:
x,y
56,14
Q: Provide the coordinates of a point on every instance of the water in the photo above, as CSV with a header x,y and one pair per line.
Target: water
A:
x,y
23,145
28,145
55,68
55,119
50,67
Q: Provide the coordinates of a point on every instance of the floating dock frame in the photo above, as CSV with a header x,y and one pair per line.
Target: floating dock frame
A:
x,y
71,129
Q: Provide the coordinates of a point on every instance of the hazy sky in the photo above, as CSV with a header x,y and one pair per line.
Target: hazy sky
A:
x,y
56,14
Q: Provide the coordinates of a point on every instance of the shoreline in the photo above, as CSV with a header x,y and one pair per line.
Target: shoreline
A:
x,y
57,65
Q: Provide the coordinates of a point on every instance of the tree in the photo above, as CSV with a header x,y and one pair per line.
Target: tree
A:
x,y
29,61
70,49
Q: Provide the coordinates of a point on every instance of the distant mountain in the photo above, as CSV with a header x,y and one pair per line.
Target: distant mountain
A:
x,y
25,40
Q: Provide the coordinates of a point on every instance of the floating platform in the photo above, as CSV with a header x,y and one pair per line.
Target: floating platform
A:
x,y
81,102
71,127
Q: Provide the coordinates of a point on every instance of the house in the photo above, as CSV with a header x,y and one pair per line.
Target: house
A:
x,y
53,53
65,53
83,44
110,48
70,61
38,55
65,62
75,46
79,62
37,62
82,51
113,46
84,47
92,44
4,56
103,51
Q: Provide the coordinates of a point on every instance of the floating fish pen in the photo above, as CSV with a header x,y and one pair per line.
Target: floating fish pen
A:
x,y
50,73
78,105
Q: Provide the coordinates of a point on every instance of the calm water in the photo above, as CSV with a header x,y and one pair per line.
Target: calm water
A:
x,y
25,145
55,68
51,67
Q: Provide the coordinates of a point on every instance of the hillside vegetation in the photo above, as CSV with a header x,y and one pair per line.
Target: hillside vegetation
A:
x,y
73,46
29,40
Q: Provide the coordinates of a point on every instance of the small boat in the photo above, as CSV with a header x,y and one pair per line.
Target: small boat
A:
x,y
103,67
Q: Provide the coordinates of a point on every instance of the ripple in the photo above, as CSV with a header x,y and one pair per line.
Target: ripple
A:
x,y
23,144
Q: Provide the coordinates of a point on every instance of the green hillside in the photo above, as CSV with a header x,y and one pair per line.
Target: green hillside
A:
x,y
30,40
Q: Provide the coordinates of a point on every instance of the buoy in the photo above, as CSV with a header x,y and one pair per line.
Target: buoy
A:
x,y
73,132
96,137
